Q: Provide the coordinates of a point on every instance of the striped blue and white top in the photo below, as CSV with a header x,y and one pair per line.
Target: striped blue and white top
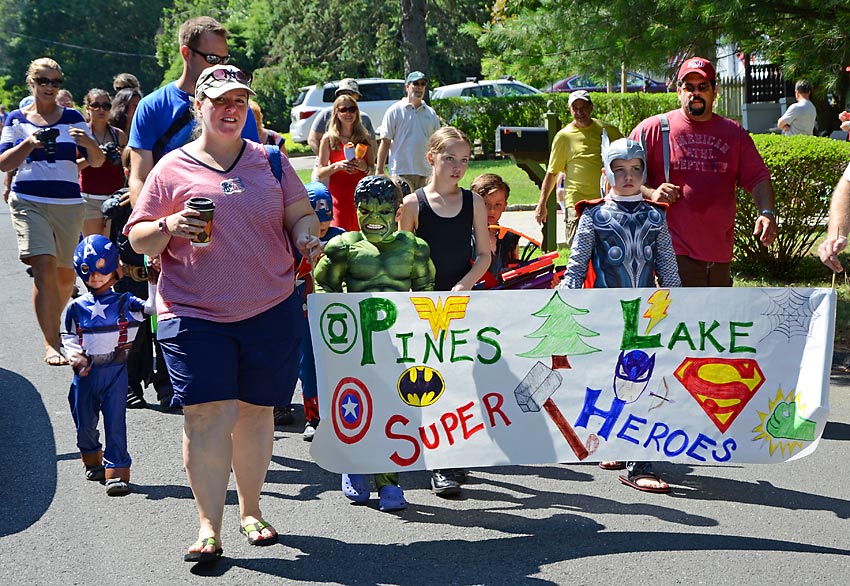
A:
x,y
46,178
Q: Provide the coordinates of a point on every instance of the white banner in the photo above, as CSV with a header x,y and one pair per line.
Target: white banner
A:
x,y
413,381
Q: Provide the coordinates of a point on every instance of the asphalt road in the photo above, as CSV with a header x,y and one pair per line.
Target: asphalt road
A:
x,y
779,525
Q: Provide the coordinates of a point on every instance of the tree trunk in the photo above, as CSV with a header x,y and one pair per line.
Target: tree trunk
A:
x,y
413,36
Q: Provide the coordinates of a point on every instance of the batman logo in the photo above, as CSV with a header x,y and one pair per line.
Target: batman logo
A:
x,y
420,386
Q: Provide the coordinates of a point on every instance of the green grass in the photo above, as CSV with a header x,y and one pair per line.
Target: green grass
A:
x,y
523,190
295,148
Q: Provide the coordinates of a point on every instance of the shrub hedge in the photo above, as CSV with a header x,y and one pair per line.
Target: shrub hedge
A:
x,y
479,117
804,170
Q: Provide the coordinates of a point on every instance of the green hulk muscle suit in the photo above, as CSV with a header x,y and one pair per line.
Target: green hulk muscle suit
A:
x,y
378,258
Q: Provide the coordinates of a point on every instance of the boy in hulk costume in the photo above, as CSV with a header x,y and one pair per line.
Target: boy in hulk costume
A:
x,y
378,258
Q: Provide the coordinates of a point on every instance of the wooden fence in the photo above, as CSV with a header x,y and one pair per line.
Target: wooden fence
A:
x,y
731,94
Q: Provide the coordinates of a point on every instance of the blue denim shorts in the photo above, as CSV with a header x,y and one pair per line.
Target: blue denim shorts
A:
x,y
252,360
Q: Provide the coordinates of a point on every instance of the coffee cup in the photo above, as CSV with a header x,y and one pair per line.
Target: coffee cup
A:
x,y
349,151
206,207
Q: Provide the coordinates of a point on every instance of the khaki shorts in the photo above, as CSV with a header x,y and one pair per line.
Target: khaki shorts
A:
x,y
571,220
415,181
44,228
93,205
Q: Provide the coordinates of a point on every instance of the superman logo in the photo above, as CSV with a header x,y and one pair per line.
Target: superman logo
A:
x,y
721,386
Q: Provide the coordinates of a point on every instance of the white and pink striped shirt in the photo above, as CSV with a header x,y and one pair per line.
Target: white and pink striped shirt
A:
x,y
248,266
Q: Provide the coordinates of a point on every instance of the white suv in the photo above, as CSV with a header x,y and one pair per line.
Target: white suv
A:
x,y
486,88
376,95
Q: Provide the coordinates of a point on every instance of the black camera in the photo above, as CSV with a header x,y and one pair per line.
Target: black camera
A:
x,y
47,137
111,151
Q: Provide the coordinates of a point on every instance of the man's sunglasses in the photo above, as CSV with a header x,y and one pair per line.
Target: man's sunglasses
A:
x,y
45,81
347,109
226,74
212,59
105,106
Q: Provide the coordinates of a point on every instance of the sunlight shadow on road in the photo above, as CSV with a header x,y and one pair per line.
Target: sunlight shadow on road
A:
x,y
27,457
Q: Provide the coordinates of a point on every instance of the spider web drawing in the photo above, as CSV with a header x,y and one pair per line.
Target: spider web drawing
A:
x,y
790,313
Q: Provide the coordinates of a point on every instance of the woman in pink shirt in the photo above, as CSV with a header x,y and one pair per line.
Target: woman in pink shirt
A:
x,y
229,324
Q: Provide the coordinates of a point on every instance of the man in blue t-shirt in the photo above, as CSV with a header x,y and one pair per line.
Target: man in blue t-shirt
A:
x,y
156,127
163,122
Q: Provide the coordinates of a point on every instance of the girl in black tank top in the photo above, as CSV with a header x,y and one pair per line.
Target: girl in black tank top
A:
x,y
458,265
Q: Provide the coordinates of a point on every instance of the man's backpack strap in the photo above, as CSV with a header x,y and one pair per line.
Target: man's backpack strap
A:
x,y
178,124
665,144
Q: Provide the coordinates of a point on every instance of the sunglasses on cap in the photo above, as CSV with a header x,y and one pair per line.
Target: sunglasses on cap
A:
x,y
45,81
225,75
100,106
347,109
212,59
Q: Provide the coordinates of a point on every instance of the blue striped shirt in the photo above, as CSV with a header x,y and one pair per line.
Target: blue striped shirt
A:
x,y
41,177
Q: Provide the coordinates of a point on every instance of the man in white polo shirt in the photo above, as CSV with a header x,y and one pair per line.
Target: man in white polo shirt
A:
x,y
408,125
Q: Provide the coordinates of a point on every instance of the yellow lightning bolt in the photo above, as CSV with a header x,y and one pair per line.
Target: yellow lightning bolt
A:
x,y
441,315
658,304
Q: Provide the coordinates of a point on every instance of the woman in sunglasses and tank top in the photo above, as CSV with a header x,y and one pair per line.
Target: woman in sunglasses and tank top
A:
x,y
99,183
339,163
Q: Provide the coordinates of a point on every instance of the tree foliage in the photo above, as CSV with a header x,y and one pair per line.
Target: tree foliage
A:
x,y
91,40
288,45
549,39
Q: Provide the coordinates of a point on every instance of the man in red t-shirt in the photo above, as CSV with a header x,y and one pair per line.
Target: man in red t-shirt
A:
x,y
709,156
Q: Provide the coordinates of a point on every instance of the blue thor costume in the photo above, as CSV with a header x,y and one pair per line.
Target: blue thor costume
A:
x,y
622,241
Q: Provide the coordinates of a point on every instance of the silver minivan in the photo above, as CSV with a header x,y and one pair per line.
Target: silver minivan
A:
x,y
376,96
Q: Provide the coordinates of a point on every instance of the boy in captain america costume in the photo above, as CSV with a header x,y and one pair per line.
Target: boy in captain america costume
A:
x,y
99,328
379,257
624,240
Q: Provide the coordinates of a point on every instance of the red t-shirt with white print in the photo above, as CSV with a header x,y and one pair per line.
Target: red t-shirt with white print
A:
x,y
707,161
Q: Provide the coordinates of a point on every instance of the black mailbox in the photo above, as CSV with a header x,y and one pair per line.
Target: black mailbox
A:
x,y
523,142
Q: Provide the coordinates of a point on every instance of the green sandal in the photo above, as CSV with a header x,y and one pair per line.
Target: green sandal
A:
x,y
204,557
258,527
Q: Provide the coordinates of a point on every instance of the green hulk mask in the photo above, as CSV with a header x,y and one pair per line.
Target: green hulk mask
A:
x,y
377,199
379,257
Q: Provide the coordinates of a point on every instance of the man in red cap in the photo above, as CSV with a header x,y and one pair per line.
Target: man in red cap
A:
x,y
708,156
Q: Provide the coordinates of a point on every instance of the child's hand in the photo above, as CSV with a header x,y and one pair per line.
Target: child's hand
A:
x,y
844,116
79,363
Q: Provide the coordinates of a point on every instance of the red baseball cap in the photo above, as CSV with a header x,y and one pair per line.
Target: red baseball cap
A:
x,y
697,65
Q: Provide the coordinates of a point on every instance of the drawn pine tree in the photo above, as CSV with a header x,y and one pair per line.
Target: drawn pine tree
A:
x,y
560,334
